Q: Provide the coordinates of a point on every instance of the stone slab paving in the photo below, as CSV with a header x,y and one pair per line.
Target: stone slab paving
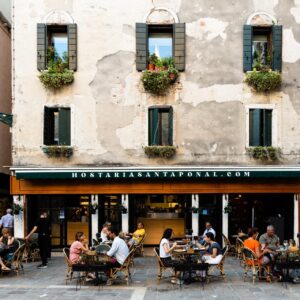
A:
x,y
50,284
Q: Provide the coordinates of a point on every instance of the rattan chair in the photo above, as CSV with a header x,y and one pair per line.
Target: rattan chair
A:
x,y
161,265
253,263
124,269
231,248
102,248
219,266
139,248
69,273
15,262
239,245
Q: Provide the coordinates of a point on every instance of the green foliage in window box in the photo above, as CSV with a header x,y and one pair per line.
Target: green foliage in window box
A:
x,y
57,74
159,80
58,151
264,153
160,151
265,80
194,209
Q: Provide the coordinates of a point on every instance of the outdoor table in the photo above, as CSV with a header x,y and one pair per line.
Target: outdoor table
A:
x,y
285,261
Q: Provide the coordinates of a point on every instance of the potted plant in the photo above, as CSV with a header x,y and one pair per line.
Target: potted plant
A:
x,y
123,209
264,153
58,151
194,209
173,73
93,207
17,208
57,74
160,151
152,61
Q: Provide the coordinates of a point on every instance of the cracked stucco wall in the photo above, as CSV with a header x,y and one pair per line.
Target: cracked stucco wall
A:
x,y
109,106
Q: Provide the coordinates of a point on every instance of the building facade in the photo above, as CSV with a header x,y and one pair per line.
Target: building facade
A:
x,y
86,146
5,111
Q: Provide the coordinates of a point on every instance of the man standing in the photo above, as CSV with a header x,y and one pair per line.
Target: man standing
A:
x,y
208,228
7,221
42,226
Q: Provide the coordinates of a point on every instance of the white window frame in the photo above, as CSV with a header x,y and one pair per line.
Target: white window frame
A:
x,y
274,122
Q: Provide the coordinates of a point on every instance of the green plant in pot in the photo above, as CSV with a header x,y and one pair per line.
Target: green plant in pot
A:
x,y
173,73
264,153
152,61
156,82
93,207
17,208
57,74
160,151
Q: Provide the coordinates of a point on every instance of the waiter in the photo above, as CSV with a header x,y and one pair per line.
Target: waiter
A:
x,y
42,227
7,221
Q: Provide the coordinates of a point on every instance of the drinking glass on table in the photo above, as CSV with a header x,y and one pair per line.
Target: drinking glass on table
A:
x,y
285,244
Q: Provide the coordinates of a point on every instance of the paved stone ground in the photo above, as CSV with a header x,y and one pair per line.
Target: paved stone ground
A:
x,y
50,284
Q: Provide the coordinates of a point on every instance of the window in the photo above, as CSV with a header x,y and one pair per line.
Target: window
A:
x,y
262,46
57,39
164,40
260,127
62,39
160,40
161,126
57,123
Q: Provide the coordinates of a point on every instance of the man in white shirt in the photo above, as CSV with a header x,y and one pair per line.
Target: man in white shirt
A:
x,y
208,228
119,250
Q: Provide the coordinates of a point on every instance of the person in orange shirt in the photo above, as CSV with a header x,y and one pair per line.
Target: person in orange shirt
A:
x,y
255,246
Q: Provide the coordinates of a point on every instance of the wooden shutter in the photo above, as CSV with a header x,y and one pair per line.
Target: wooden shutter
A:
x,y
247,43
141,35
153,127
171,126
64,127
179,46
72,46
41,46
255,127
267,130
277,47
48,126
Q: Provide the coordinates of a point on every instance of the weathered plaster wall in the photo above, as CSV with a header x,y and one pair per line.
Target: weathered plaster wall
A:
x,y
109,106
5,97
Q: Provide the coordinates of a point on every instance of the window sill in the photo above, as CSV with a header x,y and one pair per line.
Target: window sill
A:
x,y
58,151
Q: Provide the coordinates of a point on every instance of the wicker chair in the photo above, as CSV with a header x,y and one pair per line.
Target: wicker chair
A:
x,y
124,268
251,261
139,248
239,245
219,266
15,262
69,273
161,265
231,248
102,248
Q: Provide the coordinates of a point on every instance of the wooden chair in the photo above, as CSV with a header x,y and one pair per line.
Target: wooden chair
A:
x,y
231,248
15,262
161,265
219,266
251,261
239,245
139,248
102,248
69,273
124,268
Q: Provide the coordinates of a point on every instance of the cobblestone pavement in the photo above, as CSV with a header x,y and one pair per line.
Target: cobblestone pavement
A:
x,y
50,284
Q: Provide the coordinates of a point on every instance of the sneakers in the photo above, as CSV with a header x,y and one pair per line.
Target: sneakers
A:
x,y
42,266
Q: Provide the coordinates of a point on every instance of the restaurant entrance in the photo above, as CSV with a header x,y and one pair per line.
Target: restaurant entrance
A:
x,y
260,210
68,214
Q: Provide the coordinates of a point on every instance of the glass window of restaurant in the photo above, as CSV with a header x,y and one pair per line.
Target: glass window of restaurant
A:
x,y
159,212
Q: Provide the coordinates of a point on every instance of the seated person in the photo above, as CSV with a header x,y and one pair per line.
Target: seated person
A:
x,y
78,247
7,246
138,235
214,251
270,241
292,246
119,250
105,232
254,245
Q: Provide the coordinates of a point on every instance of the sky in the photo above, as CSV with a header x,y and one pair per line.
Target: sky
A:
x,y
5,8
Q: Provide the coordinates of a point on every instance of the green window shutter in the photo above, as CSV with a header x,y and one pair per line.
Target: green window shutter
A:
x,y
277,47
141,35
48,126
72,46
64,127
171,126
247,44
255,127
179,46
153,127
267,130
41,46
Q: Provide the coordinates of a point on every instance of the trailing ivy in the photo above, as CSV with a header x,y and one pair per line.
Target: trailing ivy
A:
x,y
57,74
160,151
264,153
265,80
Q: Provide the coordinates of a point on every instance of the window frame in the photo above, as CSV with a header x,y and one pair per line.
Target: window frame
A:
x,y
274,126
